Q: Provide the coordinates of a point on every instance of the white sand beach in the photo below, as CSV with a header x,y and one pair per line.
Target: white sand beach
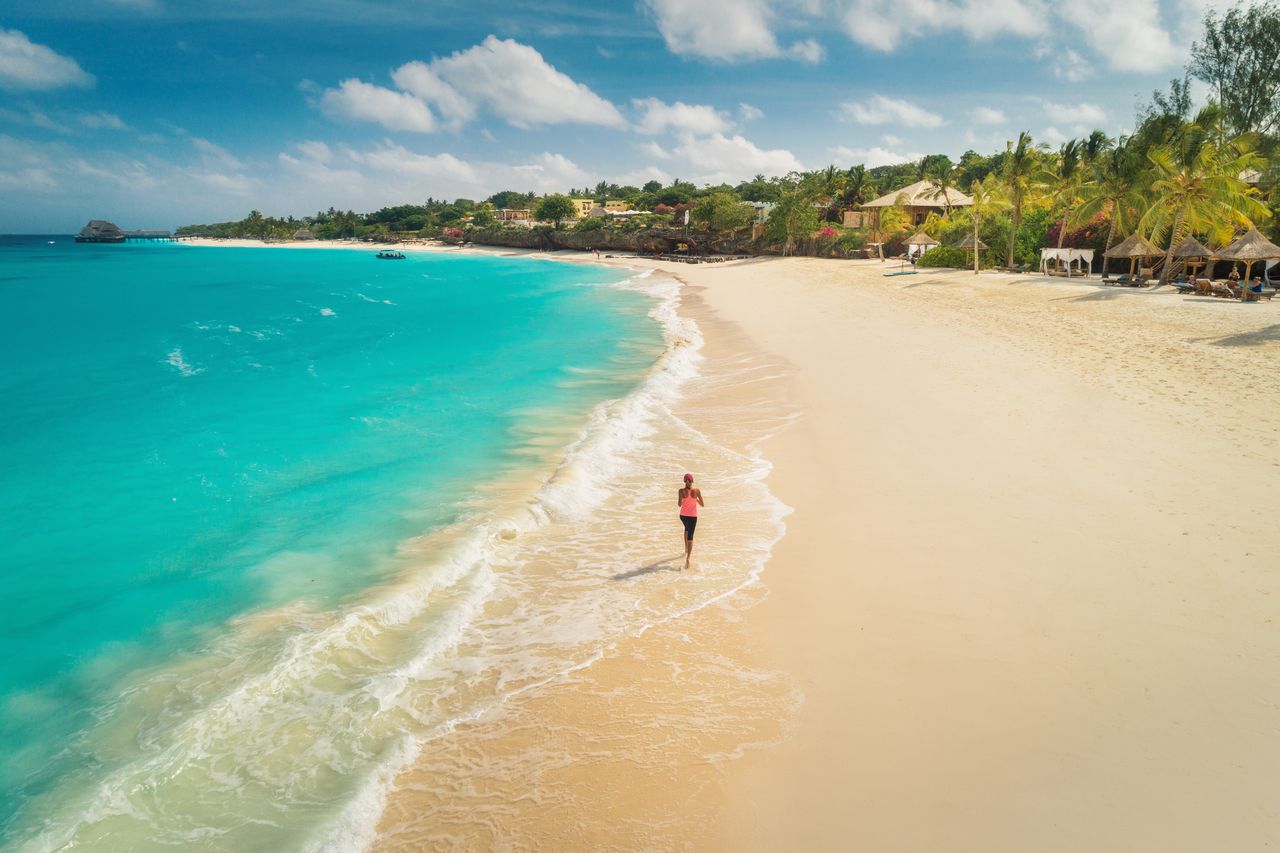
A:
x,y
1025,601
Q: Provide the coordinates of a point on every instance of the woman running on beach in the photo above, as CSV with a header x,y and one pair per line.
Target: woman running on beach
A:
x,y
689,500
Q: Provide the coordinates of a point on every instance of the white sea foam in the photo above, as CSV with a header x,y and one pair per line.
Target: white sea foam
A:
x,y
327,312
176,360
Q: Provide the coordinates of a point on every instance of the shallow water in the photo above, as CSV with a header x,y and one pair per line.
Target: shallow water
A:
x,y
255,499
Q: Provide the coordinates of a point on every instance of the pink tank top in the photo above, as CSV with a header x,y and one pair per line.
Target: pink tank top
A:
x,y
689,506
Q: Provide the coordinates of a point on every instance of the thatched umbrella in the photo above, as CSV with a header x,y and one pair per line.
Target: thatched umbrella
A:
x,y
923,240
969,244
1249,248
1192,251
1134,247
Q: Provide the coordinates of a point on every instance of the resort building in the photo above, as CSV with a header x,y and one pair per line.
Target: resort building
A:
x,y
615,206
506,215
304,234
919,200
582,206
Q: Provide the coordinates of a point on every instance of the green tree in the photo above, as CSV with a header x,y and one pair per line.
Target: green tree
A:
x,y
1240,59
720,211
989,197
1197,187
1019,167
554,208
944,176
1114,186
794,217
1062,180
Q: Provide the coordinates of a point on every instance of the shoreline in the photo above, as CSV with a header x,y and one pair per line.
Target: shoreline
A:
x,y
1022,591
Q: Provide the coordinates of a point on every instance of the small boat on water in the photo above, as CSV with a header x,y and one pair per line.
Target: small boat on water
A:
x,y
391,255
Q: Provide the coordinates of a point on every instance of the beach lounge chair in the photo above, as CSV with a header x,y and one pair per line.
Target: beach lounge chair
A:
x,y
1184,286
1204,287
1221,288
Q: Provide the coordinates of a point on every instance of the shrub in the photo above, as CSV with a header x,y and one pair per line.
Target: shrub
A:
x,y
944,256
594,223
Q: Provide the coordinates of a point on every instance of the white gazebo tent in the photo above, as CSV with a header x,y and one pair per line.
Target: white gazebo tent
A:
x,y
1067,257
919,243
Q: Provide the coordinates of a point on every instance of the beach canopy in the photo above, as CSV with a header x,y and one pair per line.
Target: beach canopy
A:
x,y
919,243
922,194
1067,256
1136,246
1250,247
968,243
1191,248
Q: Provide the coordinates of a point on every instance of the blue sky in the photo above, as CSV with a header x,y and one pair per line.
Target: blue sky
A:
x,y
155,113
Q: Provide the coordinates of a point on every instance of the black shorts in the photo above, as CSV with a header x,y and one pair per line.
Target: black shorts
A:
x,y
690,522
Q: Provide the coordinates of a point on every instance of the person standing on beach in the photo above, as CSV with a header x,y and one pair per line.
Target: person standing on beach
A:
x,y
689,499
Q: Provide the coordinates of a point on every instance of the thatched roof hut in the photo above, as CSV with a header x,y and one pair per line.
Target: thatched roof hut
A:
x,y
968,243
100,231
1191,248
921,239
1250,247
919,200
922,194
1135,246
304,234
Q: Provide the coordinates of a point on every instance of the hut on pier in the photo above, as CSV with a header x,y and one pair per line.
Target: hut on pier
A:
x,y
100,231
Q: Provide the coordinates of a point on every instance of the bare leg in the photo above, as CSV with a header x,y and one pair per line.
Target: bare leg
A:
x,y
688,551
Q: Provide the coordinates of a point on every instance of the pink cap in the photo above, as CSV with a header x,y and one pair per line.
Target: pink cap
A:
x,y
688,478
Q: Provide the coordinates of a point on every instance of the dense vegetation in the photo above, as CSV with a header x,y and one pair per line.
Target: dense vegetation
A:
x,y
1178,174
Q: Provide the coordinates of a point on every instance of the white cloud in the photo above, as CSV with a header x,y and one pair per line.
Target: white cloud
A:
x,y
1128,35
1083,116
882,110
726,30
103,120
27,65
655,150
746,112
30,116
719,158
807,51
1065,63
884,25
658,117
873,157
419,80
355,100
215,156
891,140
514,82
987,115
640,177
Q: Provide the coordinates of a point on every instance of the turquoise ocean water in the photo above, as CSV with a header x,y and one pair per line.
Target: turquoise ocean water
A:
x,y
194,437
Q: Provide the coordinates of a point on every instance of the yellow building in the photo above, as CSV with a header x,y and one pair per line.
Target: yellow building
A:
x,y
582,206
615,206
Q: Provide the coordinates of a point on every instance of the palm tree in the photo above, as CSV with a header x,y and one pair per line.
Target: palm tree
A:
x,y
855,187
1019,166
1063,182
1114,184
989,196
889,221
944,177
1197,186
